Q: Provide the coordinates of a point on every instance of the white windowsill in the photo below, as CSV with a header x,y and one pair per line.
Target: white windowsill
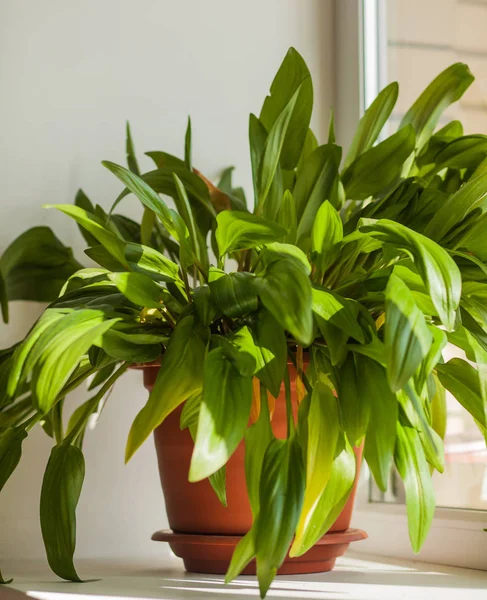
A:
x,y
353,579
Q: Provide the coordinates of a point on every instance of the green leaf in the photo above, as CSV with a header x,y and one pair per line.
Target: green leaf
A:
x,y
239,230
472,196
274,146
151,262
257,439
377,169
323,426
191,411
326,234
270,339
287,218
354,405
446,88
414,471
437,268
285,290
278,250
203,303
380,437
234,294
94,225
34,267
465,152
184,209
293,76
187,146
62,354
337,311
144,192
129,149
314,184
371,124
244,552
11,439
19,369
462,380
224,414
331,502
281,498
164,160
61,488
180,376
407,336
126,348
4,581
138,288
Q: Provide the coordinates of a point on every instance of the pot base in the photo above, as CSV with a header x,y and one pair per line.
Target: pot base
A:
x,y
212,553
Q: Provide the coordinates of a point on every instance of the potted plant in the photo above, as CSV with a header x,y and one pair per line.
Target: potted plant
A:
x,y
346,282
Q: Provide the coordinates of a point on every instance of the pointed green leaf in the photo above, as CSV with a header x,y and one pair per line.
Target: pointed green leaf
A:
x,y
238,231
151,262
187,146
281,498
414,471
407,336
331,502
371,124
293,75
446,88
180,376
285,290
326,234
11,439
129,149
225,393
377,169
61,488
234,294
138,288
323,428
270,340
337,311
437,268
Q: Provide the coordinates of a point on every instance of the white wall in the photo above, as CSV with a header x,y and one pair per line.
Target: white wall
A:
x,y
70,74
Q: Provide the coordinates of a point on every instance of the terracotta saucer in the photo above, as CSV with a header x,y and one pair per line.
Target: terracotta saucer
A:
x,y
212,553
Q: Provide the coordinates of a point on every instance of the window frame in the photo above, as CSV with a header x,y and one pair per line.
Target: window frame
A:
x,y
457,536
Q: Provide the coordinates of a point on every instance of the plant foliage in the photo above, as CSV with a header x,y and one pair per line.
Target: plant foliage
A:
x,y
367,263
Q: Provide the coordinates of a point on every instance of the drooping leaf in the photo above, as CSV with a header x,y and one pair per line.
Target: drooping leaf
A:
x,y
380,436
180,376
11,439
238,230
414,471
323,427
377,169
61,488
223,417
293,75
462,380
285,290
34,267
287,218
92,223
270,340
331,502
371,124
281,497
407,336
446,88
354,405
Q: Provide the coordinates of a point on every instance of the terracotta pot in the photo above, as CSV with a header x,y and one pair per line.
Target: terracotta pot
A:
x,y
193,508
